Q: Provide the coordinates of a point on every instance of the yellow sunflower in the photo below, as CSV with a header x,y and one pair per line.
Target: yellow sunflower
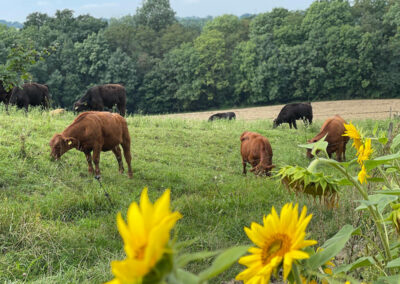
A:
x,y
145,237
364,152
279,239
353,133
362,175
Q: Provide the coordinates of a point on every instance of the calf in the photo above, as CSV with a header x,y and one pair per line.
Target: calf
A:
x,y
334,129
291,112
222,115
95,131
256,150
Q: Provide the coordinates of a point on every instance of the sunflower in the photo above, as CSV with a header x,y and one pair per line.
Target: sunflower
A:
x,y
362,175
352,132
279,240
145,237
364,152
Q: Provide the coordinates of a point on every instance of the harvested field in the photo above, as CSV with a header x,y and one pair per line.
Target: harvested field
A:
x,y
348,109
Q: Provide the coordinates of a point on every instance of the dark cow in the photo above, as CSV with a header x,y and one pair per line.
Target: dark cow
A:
x,y
4,95
33,94
256,150
291,112
98,97
95,131
334,129
222,115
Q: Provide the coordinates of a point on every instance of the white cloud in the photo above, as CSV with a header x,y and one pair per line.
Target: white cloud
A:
x,y
101,5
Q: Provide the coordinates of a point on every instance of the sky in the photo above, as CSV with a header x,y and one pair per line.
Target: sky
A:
x,y
17,10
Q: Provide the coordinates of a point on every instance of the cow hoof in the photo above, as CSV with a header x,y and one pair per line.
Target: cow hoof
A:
x,y
130,175
98,177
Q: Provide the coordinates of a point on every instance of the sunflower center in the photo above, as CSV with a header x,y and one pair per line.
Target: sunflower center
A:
x,y
277,246
140,252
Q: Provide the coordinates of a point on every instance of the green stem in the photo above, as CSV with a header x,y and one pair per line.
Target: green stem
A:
x,y
384,177
374,212
296,274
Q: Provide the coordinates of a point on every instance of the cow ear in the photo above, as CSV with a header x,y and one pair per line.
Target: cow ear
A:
x,y
71,142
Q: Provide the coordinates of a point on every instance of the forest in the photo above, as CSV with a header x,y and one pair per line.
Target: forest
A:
x,y
335,49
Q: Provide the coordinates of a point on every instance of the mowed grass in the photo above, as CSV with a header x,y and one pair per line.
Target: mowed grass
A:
x,y
57,226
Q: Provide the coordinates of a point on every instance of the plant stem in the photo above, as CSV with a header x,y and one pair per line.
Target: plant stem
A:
x,y
384,177
296,274
374,212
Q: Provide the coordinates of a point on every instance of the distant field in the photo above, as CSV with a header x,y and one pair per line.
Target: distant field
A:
x,y
352,109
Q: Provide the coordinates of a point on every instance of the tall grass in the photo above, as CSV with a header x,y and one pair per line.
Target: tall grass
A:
x,y
57,226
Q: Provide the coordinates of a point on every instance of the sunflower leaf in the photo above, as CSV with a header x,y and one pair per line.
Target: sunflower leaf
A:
x,y
361,262
183,260
183,277
223,262
331,247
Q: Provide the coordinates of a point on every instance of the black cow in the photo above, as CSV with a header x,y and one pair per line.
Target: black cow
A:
x,y
4,95
33,94
222,115
291,112
98,97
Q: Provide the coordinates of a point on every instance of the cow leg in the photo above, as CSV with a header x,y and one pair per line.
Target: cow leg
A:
x,y
294,124
244,167
89,161
121,109
344,152
96,160
126,146
117,153
290,124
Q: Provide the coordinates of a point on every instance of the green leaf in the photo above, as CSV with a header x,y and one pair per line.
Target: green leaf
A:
x,y
372,164
380,200
331,247
223,262
361,262
395,142
394,279
183,277
389,192
375,128
383,140
183,260
393,263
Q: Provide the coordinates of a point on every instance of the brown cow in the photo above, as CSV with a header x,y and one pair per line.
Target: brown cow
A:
x,y
256,150
334,129
95,131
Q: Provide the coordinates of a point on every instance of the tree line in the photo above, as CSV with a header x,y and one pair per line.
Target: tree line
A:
x,y
335,49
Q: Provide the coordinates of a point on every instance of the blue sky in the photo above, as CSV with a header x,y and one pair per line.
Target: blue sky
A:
x,y
17,10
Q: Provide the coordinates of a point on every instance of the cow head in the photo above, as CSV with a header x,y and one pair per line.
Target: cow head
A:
x,y
60,144
276,123
263,170
80,106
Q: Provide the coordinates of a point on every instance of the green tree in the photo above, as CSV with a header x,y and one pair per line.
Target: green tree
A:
x,y
155,14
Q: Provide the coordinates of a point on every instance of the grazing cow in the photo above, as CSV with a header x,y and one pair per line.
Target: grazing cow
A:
x,y
222,115
334,129
95,131
98,97
57,111
256,150
291,112
33,94
4,95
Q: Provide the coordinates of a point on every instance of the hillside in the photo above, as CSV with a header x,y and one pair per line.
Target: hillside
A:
x,y
56,225
11,24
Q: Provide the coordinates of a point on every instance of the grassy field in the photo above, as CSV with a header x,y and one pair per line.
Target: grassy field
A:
x,y
57,226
